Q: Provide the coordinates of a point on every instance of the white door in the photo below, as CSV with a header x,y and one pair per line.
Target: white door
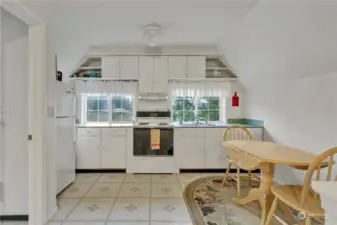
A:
x,y
190,152
160,81
215,157
110,67
177,67
196,66
88,153
113,153
129,67
145,74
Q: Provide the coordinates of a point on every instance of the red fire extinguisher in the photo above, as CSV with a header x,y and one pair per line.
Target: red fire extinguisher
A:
x,y
235,100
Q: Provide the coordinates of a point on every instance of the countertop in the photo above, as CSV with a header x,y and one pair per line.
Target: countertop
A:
x,y
130,125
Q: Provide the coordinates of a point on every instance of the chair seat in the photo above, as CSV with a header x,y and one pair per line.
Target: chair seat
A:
x,y
291,195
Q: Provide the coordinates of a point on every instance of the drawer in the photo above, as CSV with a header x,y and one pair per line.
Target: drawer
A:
x,y
215,132
89,132
189,132
108,132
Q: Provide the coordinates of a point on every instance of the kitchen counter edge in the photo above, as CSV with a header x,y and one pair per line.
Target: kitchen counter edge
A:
x,y
174,126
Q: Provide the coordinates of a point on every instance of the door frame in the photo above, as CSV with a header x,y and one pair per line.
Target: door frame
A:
x,y
37,109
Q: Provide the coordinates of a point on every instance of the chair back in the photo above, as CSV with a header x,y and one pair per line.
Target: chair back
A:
x,y
324,160
237,133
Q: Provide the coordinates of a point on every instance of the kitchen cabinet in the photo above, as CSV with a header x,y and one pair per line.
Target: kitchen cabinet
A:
x,y
215,156
257,133
129,67
145,74
196,66
110,67
88,153
177,67
113,152
101,148
160,78
190,152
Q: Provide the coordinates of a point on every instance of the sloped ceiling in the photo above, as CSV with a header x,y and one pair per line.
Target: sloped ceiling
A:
x,y
278,41
263,41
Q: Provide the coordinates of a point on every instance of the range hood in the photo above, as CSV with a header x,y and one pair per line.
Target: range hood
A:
x,y
153,96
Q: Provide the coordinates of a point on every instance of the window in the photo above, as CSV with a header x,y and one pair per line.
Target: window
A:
x,y
97,108
191,109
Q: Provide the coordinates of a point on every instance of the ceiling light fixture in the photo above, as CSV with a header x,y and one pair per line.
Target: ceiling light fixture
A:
x,y
150,33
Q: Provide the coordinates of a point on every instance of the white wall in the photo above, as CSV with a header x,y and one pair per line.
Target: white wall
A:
x,y
298,113
14,72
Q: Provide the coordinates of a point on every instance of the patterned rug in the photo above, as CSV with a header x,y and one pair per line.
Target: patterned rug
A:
x,y
209,203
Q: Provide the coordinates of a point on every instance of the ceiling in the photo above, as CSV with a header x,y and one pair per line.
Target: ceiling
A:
x,y
261,40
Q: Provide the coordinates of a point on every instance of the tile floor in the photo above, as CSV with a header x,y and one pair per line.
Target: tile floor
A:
x,y
124,199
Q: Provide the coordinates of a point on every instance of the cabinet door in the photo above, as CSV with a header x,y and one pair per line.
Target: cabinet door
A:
x,y
145,74
160,69
177,67
88,153
190,152
215,156
196,67
129,67
110,67
113,153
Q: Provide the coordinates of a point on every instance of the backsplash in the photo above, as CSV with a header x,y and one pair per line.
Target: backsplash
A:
x,y
246,122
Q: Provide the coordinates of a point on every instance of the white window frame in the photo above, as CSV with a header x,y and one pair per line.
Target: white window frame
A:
x,y
84,99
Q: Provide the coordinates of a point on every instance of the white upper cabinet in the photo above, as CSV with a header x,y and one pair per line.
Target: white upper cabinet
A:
x,y
110,67
160,78
129,67
177,67
196,67
145,74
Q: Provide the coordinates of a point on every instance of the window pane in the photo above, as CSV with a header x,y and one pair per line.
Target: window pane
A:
x,y
203,115
214,115
127,116
116,102
178,103
214,103
103,116
127,102
189,103
92,103
203,103
103,102
189,116
92,116
177,115
116,116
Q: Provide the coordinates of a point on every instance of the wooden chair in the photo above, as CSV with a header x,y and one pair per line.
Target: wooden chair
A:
x,y
236,133
302,198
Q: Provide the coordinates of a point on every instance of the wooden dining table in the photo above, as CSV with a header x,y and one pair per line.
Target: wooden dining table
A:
x,y
251,155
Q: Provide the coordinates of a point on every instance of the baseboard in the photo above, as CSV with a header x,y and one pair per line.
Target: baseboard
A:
x,y
100,170
13,217
214,171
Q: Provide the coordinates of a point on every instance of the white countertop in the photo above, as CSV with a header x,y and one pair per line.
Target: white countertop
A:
x,y
103,125
326,188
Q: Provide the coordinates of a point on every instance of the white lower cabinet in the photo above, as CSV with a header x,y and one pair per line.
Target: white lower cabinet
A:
x,y
106,150
190,152
113,152
215,156
88,153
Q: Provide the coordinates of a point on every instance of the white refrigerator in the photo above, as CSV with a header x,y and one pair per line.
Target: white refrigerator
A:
x,y
65,135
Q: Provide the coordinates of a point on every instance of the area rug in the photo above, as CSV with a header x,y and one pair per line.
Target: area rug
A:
x,y
209,203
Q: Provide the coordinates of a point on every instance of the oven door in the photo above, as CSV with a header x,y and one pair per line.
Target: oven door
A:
x,y
142,142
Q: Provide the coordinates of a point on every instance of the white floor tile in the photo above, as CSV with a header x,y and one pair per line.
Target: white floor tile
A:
x,y
165,190
92,209
171,223
87,177
65,206
188,177
52,223
220,175
129,223
112,177
104,190
76,190
183,186
135,190
14,223
83,223
169,209
137,178
131,209
164,178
